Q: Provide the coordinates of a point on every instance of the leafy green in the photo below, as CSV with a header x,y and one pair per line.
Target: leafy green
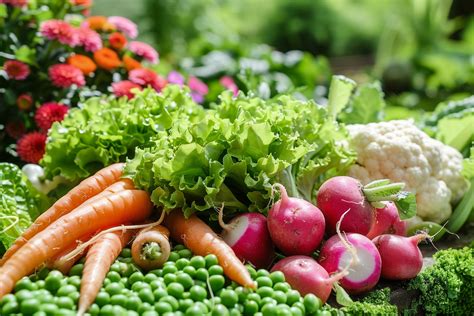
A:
x,y
238,151
20,203
339,94
105,131
366,106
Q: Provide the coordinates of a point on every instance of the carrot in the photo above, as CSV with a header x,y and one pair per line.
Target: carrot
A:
x,y
61,262
78,195
202,240
151,247
122,207
99,258
120,185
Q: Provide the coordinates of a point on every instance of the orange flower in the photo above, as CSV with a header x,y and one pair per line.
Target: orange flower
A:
x,y
107,59
117,40
96,22
131,63
86,4
84,63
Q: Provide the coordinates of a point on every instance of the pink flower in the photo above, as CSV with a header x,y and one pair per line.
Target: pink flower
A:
x,y
15,3
147,77
16,70
144,50
31,147
197,85
48,113
176,78
59,30
122,88
64,76
88,38
229,84
124,25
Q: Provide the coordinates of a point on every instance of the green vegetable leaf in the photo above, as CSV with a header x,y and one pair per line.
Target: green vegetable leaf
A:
x,y
20,203
26,55
342,298
366,106
340,92
406,205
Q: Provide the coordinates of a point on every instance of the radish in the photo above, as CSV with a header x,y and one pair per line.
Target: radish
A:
x,y
247,234
340,194
296,226
387,221
359,253
401,257
305,275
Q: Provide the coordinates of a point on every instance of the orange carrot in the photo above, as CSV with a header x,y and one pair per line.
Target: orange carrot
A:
x,y
78,195
202,240
151,247
120,185
99,258
122,207
59,262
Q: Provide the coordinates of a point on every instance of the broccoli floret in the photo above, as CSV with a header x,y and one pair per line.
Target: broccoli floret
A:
x,y
375,304
447,287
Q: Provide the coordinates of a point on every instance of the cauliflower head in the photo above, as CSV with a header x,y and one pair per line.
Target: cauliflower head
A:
x,y
399,151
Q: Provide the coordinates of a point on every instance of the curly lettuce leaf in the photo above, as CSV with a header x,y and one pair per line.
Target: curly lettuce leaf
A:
x,y
237,152
366,105
105,131
20,203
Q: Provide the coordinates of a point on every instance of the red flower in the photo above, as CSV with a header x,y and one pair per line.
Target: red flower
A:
x,y
122,88
144,50
15,129
64,76
49,113
24,101
59,30
147,77
117,40
16,70
31,147
86,4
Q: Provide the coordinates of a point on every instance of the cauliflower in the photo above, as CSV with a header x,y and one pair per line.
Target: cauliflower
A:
x,y
399,151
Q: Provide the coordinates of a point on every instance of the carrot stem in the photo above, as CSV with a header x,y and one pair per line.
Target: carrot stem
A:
x,y
151,251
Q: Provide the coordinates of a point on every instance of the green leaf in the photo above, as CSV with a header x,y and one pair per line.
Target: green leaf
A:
x,y
406,205
431,228
3,10
26,55
340,92
366,106
342,298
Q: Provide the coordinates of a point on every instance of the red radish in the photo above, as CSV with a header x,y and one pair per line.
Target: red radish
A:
x,y
305,275
296,226
401,257
387,221
359,253
340,194
247,234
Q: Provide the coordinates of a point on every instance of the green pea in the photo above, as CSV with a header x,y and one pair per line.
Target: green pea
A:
x,y
53,281
146,295
150,277
29,307
267,300
324,313
114,276
144,307
264,281
132,313
169,269
185,280
269,310
40,313
40,284
7,299
295,311
118,299
201,283
292,296
171,300
229,298
159,293
102,298
156,284
197,293
262,272
10,308
107,310
280,297
135,277
185,253
77,269
114,288
150,313
198,308
175,289
170,278
94,310
252,271
25,284
216,270
42,273
133,303
201,274
126,253
312,303
75,281
220,310
157,272
181,263
277,277
163,307
106,282
50,308
265,291
23,295
211,260
139,285
250,307
185,303
65,302
198,262
174,256
242,293
235,312
64,312
254,297
300,306
190,270
216,282
179,247
282,286
283,310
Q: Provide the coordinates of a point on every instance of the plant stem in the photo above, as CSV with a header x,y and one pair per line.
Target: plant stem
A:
x,y
151,251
